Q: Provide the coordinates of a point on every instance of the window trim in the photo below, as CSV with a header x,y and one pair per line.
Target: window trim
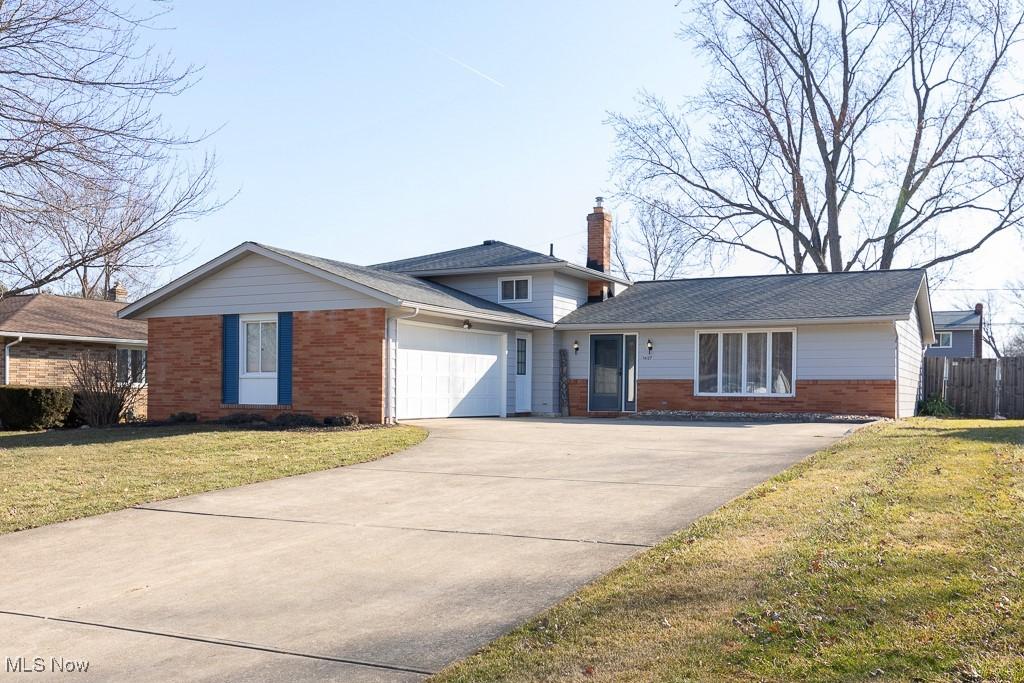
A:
x,y
743,361
529,289
939,345
243,342
127,347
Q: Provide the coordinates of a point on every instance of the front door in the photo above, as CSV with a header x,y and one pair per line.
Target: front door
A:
x,y
524,371
606,372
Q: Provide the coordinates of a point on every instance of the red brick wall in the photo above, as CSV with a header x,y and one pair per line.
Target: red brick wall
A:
x,y
337,366
850,396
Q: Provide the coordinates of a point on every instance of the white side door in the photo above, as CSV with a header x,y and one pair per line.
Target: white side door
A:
x,y
524,371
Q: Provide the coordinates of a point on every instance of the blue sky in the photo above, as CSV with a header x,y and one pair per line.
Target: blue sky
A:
x,y
368,131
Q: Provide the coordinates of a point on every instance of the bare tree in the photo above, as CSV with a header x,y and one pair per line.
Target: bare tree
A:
x,y
80,134
653,241
106,392
840,136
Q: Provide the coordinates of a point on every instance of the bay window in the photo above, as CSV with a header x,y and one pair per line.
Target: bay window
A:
x,y
745,362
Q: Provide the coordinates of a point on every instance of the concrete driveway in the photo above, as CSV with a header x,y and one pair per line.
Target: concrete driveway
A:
x,y
384,571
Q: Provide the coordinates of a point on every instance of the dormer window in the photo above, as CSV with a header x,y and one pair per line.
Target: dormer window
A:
x,y
514,288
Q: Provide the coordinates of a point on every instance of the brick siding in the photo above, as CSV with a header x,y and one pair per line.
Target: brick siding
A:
x,y
337,366
851,397
46,363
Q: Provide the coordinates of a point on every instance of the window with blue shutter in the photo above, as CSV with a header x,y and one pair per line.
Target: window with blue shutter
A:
x,y
284,358
229,360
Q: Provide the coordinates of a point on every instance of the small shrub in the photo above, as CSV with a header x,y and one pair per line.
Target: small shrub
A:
x,y
243,419
34,407
936,406
102,397
346,420
296,420
183,417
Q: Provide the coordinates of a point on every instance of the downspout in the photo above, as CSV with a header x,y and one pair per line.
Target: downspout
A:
x,y
392,385
7,359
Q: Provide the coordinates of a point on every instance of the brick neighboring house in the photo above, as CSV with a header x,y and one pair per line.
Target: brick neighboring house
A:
x,y
41,335
481,330
958,334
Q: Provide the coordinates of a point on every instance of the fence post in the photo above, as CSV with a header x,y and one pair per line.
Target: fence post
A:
x,y
945,376
998,387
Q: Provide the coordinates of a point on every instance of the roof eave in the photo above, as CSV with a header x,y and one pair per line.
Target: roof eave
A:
x,y
730,323
478,315
565,266
75,338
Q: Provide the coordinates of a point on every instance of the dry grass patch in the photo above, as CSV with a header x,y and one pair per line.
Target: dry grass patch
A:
x,y
894,555
55,476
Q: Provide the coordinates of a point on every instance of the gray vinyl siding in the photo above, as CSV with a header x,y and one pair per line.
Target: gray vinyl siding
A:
x,y
840,351
963,345
545,373
569,294
256,284
554,295
908,362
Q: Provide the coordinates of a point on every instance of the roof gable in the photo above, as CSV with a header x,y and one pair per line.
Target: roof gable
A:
x,y
389,288
817,296
490,254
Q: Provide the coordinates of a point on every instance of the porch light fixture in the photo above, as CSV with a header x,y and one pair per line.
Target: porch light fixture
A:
x,y
575,346
650,346
466,325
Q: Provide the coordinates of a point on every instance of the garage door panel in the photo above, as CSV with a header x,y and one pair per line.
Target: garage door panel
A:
x,y
447,372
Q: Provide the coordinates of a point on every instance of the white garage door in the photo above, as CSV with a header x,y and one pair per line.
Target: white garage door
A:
x,y
445,372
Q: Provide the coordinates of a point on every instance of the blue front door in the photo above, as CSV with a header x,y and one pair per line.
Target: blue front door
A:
x,y
606,372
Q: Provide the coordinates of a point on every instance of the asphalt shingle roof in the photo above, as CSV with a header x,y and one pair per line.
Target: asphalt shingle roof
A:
x,y
956,319
68,316
406,287
765,297
490,254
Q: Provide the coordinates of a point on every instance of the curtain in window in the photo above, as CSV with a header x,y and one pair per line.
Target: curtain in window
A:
x,y
268,347
782,362
757,363
708,364
732,363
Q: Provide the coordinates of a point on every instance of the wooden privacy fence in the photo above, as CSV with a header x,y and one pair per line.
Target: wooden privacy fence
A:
x,y
977,387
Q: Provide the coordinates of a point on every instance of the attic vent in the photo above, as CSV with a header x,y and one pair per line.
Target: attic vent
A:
x,y
488,242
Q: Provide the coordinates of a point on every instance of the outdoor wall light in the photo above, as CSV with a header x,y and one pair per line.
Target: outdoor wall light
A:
x,y
575,346
650,346
466,325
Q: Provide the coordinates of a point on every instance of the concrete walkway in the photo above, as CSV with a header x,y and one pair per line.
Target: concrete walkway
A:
x,y
379,572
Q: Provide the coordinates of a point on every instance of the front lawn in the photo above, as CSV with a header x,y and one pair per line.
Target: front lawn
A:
x,y
895,555
55,476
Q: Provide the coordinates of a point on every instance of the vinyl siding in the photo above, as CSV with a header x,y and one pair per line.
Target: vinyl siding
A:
x,y
908,362
569,294
545,373
963,346
554,295
256,284
844,351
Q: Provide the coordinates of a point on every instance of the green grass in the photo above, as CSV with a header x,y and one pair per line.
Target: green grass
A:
x,y
896,555
54,476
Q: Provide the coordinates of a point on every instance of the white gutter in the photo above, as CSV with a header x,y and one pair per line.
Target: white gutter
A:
x,y
726,323
477,315
75,338
7,359
391,387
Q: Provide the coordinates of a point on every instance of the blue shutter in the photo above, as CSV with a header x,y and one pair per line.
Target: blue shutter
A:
x,y
284,358
229,360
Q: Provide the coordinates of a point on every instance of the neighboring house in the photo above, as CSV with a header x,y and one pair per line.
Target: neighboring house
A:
x,y
42,334
957,334
479,331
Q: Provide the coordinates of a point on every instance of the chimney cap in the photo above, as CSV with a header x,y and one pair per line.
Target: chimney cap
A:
x,y
487,243
599,202
978,308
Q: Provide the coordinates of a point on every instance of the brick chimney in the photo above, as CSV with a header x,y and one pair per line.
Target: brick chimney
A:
x,y
117,293
979,310
599,248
